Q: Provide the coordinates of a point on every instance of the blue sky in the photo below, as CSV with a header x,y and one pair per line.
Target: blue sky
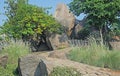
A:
x,y
49,3
41,3
2,17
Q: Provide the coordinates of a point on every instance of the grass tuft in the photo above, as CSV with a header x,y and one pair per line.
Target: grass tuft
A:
x,y
64,71
14,50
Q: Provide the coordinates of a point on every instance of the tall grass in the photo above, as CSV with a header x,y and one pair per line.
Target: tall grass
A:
x,y
96,54
14,50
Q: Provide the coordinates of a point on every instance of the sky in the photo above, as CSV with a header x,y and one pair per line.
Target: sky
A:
x,y
41,3
2,17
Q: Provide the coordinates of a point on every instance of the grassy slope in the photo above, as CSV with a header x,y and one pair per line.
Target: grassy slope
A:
x,y
96,55
14,50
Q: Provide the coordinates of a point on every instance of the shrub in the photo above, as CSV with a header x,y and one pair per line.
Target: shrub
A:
x,y
97,55
64,71
84,33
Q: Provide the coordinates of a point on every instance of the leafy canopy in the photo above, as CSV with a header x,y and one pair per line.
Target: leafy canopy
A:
x,y
28,20
99,13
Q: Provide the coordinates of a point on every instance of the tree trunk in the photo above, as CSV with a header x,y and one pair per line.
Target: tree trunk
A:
x,y
101,37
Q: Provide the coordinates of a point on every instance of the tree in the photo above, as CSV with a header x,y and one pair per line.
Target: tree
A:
x,y
27,21
101,14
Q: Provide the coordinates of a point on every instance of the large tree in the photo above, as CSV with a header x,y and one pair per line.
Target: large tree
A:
x,y
26,21
101,14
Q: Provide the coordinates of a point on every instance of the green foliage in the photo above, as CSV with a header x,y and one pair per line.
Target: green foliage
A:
x,y
99,13
9,70
64,71
27,20
116,29
84,33
96,55
14,50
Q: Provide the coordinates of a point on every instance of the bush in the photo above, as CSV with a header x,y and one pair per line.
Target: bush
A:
x,y
84,33
97,55
64,71
14,50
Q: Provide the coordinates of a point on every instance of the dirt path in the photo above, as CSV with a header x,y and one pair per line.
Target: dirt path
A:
x,y
58,58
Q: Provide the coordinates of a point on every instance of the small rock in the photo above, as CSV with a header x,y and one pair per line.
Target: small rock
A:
x,y
58,41
3,60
